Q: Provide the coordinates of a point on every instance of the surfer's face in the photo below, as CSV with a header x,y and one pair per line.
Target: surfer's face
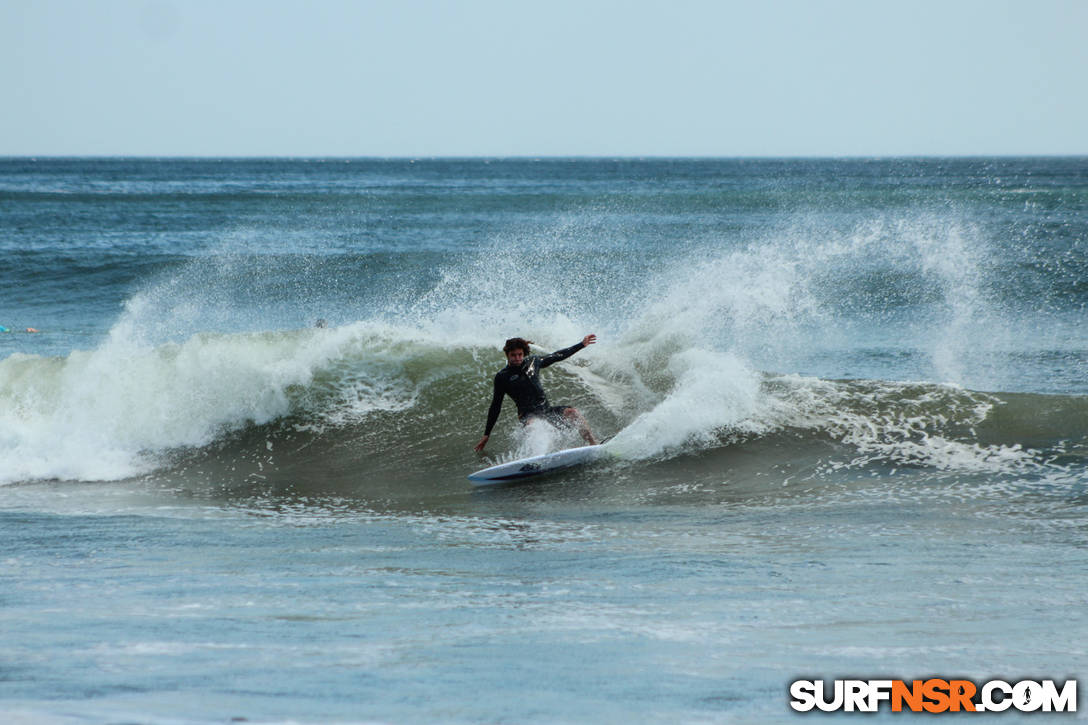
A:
x,y
515,357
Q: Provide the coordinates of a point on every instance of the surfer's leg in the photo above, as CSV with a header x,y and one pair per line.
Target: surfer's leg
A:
x,y
576,418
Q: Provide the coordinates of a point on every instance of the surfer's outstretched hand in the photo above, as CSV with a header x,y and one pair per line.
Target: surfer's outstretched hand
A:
x,y
480,446
589,340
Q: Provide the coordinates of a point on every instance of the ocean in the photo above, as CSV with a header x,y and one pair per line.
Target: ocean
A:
x,y
847,402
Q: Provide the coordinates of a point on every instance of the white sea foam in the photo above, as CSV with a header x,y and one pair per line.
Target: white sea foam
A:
x,y
895,422
712,391
680,366
105,414
694,351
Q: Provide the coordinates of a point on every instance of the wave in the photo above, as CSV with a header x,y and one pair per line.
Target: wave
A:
x,y
398,401
699,353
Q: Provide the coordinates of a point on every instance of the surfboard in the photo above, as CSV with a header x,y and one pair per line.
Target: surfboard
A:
x,y
537,465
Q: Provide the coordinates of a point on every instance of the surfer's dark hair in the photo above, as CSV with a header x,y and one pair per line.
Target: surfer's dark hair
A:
x,y
515,342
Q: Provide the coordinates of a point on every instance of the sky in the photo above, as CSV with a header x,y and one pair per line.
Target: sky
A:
x,y
559,78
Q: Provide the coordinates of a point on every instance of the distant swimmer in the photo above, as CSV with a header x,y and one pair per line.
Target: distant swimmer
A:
x,y
520,379
31,329
4,329
321,323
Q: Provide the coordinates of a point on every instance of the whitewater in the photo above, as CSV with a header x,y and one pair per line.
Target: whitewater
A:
x,y
846,402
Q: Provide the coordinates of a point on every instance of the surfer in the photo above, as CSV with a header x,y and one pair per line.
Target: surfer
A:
x,y
520,379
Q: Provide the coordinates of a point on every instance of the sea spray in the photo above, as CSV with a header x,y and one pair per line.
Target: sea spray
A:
x,y
698,312
712,393
104,414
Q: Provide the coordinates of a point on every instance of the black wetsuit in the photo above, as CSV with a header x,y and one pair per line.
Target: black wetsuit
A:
x,y
523,385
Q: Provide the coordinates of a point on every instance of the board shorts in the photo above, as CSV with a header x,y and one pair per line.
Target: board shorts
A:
x,y
555,414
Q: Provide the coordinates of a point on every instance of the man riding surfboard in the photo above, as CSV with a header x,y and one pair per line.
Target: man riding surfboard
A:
x,y
520,379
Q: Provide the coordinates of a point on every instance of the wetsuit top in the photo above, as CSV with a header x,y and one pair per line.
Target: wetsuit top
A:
x,y
523,385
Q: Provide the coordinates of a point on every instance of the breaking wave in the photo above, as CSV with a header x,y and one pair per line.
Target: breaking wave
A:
x,y
700,351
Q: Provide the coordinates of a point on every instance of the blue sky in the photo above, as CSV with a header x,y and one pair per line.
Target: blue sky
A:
x,y
413,78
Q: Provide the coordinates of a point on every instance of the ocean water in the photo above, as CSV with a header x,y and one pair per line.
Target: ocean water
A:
x,y
848,402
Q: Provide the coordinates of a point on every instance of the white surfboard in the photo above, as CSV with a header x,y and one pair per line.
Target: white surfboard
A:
x,y
537,465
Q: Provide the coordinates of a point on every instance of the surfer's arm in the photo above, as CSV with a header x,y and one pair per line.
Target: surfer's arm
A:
x,y
567,351
492,414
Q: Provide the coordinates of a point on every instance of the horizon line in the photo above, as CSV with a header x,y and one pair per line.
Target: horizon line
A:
x,y
541,157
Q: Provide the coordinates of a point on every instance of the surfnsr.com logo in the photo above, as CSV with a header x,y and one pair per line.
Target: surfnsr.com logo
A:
x,y
933,695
